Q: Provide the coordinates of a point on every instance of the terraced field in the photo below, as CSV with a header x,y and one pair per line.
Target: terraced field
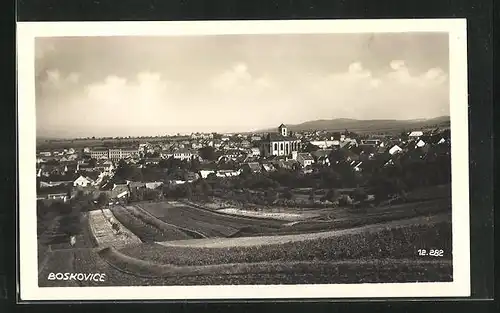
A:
x,y
208,223
147,227
176,243
383,253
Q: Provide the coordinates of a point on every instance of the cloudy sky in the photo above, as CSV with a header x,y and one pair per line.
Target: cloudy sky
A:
x,y
131,86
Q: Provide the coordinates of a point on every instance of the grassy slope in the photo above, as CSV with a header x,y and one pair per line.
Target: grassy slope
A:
x,y
400,242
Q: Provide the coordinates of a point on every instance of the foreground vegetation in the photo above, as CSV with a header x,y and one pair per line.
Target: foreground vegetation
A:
x,y
395,243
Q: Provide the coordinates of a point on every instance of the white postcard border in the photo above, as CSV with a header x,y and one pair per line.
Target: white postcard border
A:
x,y
28,273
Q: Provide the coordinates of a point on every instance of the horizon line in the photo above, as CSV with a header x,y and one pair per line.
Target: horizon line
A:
x,y
260,130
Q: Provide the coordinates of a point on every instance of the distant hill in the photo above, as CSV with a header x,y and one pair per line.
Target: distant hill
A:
x,y
365,126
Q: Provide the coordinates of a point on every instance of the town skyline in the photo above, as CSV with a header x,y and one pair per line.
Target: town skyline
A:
x,y
271,128
151,86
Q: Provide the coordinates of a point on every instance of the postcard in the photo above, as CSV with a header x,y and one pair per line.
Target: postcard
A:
x,y
243,159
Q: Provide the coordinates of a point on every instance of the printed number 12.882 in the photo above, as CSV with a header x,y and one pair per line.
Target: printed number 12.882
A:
x,y
437,253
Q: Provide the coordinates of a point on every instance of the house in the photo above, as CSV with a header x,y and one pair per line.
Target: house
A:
x,y
228,173
232,154
348,142
135,184
415,134
343,155
371,142
420,144
58,196
191,176
105,166
183,154
441,141
305,159
307,170
119,190
176,182
99,154
395,149
204,173
323,144
154,185
356,165
279,144
324,160
152,161
251,167
119,186
321,153
268,167
123,194
113,154
389,163
255,152
83,181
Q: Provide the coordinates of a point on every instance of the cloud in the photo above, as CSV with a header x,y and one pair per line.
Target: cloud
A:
x,y
133,104
237,99
358,93
238,79
56,82
397,65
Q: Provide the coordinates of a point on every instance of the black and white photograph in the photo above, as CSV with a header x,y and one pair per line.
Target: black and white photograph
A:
x,y
253,159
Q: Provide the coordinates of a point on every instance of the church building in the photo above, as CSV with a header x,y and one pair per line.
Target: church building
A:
x,y
280,143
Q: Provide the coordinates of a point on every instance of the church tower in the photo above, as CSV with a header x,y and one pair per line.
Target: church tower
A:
x,y
283,130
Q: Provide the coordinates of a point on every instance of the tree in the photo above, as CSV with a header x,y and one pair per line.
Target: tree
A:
x,y
311,148
288,194
359,194
311,195
92,162
207,153
188,191
194,165
205,188
345,200
332,195
102,199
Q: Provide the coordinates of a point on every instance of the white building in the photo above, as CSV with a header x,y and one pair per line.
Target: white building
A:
x,y
82,182
183,154
279,144
416,134
305,159
113,154
323,144
420,144
204,173
228,173
395,149
154,185
255,152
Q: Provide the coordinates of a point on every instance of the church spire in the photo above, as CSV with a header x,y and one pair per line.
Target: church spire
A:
x,y
283,130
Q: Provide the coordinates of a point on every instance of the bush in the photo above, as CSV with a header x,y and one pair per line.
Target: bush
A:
x,y
359,194
345,200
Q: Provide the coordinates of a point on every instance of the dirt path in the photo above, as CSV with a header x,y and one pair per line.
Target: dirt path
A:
x,y
106,236
269,240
